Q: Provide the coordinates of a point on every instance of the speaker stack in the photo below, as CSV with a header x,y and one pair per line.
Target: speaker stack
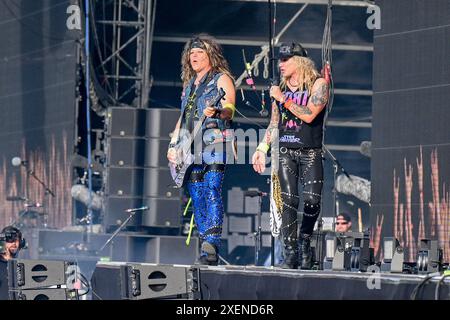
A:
x,y
137,173
41,280
139,281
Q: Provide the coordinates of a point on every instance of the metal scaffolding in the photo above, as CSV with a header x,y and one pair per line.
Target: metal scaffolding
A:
x,y
124,59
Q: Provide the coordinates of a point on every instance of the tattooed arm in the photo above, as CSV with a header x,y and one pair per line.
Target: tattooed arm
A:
x,y
273,125
259,157
317,101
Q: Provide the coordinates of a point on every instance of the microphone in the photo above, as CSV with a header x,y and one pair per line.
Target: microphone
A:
x,y
16,162
81,193
276,80
366,148
254,193
137,209
247,103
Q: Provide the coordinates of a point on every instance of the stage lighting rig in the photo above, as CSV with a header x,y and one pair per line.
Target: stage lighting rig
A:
x,y
429,257
394,256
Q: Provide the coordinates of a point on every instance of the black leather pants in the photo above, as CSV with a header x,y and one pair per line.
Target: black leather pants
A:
x,y
304,165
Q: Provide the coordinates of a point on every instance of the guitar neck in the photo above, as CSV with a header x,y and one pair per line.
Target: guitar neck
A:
x,y
197,128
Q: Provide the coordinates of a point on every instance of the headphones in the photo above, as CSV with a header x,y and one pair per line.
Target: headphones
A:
x,y
11,234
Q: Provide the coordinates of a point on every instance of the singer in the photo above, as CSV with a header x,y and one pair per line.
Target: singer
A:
x,y
204,71
297,122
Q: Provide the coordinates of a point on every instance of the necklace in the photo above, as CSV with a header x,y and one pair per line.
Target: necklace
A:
x,y
292,85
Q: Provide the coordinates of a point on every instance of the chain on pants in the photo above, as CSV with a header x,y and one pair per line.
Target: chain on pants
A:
x,y
306,165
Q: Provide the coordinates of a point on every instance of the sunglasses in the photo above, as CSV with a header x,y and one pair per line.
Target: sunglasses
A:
x,y
339,223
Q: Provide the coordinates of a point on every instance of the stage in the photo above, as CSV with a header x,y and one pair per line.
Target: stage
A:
x,y
264,283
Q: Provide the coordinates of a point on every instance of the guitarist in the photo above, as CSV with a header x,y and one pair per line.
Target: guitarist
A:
x,y
204,70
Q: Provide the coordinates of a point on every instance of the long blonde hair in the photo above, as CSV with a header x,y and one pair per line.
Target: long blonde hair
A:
x,y
306,71
215,54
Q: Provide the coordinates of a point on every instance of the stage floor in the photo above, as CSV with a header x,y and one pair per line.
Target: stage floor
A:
x,y
112,282
262,283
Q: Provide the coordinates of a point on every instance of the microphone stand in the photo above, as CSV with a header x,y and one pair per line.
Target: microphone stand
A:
x,y
48,191
336,167
257,234
272,76
131,215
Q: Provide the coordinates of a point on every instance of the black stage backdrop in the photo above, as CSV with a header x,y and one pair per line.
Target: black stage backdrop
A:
x,y
411,132
37,99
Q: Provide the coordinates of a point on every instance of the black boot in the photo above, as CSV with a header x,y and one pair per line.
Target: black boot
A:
x,y
305,252
290,260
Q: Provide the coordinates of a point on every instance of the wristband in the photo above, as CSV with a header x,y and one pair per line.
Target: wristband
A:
x,y
288,104
230,106
263,147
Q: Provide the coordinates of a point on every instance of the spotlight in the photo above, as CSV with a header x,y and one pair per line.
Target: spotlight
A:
x,y
393,256
429,257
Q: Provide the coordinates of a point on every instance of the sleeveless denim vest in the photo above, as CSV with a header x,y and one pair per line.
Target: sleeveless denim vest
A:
x,y
214,130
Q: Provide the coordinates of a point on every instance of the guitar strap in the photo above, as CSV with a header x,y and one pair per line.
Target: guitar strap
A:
x,y
193,97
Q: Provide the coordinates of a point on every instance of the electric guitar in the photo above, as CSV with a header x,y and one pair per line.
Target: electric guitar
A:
x,y
181,170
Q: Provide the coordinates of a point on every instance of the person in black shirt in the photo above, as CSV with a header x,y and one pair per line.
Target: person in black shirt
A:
x,y
12,242
343,223
297,128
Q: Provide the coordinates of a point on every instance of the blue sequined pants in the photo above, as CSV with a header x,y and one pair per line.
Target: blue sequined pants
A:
x,y
205,189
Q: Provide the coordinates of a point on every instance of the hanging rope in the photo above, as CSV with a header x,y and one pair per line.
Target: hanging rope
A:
x,y
88,110
327,59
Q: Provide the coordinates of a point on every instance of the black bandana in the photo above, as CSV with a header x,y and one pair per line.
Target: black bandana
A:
x,y
197,43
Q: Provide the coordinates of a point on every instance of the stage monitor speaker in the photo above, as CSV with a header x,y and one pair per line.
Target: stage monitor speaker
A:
x,y
108,281
32,274
147,281
44,294
135,182
133,281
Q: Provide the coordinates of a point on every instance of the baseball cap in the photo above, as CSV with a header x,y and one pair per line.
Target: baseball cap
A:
x,y
345,216
289,50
